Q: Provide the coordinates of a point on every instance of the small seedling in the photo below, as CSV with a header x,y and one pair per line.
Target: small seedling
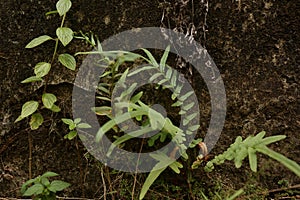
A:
x,y
42,188
73,124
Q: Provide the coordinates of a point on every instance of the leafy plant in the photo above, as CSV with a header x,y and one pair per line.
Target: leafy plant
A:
x,y
42,69
134,108
240,149
40,188
73,124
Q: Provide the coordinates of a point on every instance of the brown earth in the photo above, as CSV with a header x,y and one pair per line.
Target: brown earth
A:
x,y
255,45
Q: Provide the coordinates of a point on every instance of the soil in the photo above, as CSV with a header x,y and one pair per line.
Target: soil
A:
x,y
255,45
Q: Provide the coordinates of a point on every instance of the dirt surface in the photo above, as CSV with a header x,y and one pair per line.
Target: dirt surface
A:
x,y
255,45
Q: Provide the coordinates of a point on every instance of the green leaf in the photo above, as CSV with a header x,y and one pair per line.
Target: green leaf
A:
x,y
150,56
84,125
119,119
45,181
174,79
77,120
42,69
128,57
129,90
27,109
184,97
194,128
272,139
136,97
58,186
19,119
242,154
67,121
157,121
126,137
71,135
32,79
24,186
236,194
37,41
103,89
65,35
104,98
35,189
195,142
155,76
55,108
153,139
161,82
163,136
49,174
63,6
35,121
290,164
169,73
164,58
175,167
252,159
142,68
189,118
68,61
103,110
154,174
51,12
189,106
48,100
177,103
123,77
177,91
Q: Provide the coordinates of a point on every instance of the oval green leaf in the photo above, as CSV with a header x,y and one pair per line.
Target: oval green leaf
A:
x,y
35,121
65,35
67,60
49,174
84,125
37,41
32,79
67,121
55,108
28,108
35,189
77,120
71,135
48,100
58,186
42,69
63,6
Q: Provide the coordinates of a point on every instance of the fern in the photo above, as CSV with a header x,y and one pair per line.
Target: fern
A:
x,y
240,149
128,108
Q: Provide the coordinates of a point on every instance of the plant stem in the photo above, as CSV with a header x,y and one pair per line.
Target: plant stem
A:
x,y
80,168
30,155
136,169
54,52
109,182
103,182
63,21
